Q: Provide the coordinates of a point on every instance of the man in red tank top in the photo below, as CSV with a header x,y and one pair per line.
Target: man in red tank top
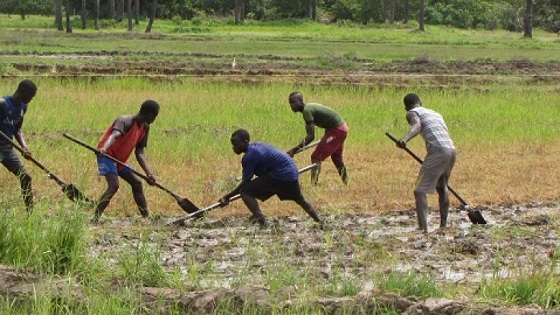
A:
x,y
126,134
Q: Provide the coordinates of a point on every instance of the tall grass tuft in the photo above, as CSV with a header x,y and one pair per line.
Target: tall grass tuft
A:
x,y
142,266
50,245
408,284
539,287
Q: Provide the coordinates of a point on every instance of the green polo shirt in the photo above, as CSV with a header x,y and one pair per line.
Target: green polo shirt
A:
x,y
322,116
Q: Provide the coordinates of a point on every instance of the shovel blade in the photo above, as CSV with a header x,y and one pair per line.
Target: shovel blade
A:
x,y
475,216
74,194
187,205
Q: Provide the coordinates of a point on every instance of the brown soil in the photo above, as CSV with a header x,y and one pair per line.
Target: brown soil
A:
x,y
258,68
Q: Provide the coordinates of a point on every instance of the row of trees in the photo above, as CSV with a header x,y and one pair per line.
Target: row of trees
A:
x,y
514,15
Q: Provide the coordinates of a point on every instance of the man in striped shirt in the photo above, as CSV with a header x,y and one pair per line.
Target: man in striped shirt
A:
x,y
436,169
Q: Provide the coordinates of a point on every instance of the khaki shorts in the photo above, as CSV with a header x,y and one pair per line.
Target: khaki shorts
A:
x,y
436,169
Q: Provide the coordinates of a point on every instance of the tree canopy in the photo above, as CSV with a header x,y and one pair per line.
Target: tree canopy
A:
x,y
487,14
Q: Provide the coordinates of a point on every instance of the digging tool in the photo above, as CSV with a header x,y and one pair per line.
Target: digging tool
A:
x,y
69,190
310,145
200,212
184,203
474,215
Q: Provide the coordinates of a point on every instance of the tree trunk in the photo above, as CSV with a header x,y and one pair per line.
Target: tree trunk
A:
x,y
152,17
237,12
68,21
58,15
129,14
111,9
120,10
96,2
406,11
421,17
313,10
528,19
392,8
137,12
84,15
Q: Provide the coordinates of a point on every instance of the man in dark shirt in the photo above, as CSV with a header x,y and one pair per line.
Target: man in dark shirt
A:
x,y
12,110
277,175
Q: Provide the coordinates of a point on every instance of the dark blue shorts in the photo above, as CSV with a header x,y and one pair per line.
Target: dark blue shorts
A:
x,y
106,166
264,187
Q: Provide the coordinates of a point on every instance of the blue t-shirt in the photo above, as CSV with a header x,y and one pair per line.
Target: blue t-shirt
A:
x,y
262,159
11,117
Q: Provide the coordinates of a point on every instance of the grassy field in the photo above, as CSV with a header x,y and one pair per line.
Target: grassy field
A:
x,y
504,126
296,39
505,129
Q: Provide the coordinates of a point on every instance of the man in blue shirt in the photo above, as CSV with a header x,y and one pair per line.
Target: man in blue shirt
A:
x,y
276,173
12,110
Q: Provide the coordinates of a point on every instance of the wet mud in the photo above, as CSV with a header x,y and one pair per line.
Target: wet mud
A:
x,y
517,239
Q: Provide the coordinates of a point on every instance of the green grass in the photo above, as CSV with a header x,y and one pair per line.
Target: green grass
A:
x,y
409,284
53,245
297,39
498,124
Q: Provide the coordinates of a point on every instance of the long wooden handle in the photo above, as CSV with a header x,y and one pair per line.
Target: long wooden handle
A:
x,y
417,158
218,204
41,166
85,145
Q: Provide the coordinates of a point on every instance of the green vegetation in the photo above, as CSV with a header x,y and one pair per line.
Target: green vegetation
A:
x,y
475,14
303,40
504,125
409,284
530,286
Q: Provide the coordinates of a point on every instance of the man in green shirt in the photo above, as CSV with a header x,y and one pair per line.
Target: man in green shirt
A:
x,y
332,143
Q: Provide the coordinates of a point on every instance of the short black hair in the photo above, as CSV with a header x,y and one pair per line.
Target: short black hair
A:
x,y
149,107
26,86
411,99
242,134
296,94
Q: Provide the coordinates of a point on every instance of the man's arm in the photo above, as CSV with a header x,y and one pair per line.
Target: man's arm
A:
x,y
21,140
141,158
109,142
309,137
224,201
415,128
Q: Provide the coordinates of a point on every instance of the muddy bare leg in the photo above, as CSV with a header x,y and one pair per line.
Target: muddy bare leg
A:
x,y
112,188
421,210
443,198
305,205
253,206
137,192
315,172
26,190
341,168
